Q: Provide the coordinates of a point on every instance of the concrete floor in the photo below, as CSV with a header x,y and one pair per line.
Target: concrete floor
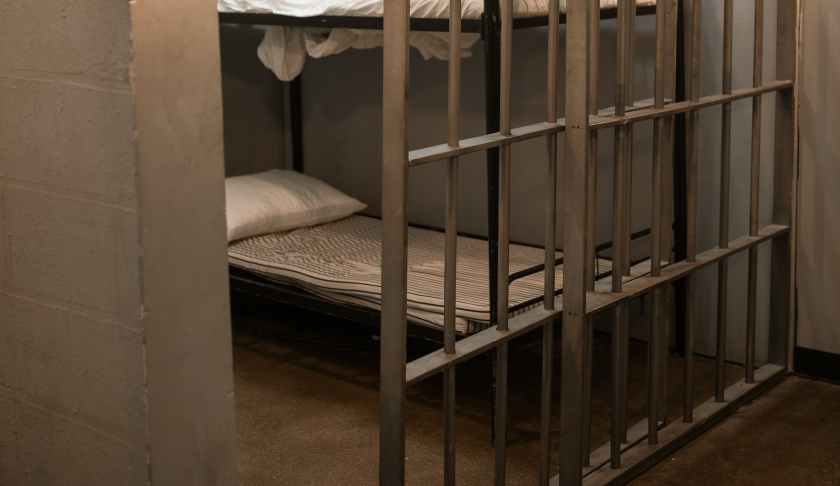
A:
x,y
306,391
790,436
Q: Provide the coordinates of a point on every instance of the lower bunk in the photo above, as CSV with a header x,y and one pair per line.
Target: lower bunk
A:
x,y
336,268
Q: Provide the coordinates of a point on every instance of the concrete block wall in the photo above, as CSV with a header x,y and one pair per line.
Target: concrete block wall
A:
x,y
72,373
81,344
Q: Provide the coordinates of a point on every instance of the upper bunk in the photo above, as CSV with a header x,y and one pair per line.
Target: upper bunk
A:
x,y
299,29
426,15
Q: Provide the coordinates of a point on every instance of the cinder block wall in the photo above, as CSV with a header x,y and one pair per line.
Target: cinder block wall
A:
x,y
98,383
72,384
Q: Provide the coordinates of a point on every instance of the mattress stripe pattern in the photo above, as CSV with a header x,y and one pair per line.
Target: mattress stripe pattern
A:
x,y
340,261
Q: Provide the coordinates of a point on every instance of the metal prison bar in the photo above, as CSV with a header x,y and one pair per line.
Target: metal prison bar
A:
x,y
628,453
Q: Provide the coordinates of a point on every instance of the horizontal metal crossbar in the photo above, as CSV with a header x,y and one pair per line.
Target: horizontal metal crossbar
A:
x,y
641,111
598,301
602,300
599,122
490,140
478,343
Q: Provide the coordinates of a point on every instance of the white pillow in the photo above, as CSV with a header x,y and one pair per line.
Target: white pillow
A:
x,y
282,200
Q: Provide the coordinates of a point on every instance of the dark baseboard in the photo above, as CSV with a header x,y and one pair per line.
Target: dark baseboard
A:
x,y
817,364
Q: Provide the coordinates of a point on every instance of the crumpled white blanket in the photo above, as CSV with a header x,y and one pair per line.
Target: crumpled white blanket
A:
x,y
284,49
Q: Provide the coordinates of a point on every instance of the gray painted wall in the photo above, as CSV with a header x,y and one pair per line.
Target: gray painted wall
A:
x,y
97,370
342,118
818,257
255,138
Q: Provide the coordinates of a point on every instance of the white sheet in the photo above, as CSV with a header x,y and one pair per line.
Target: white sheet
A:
x,y
284,49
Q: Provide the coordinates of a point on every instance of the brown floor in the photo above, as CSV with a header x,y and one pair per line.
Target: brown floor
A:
x,y
790,436
307,414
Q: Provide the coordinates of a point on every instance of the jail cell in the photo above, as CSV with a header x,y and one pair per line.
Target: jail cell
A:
x,y
631,448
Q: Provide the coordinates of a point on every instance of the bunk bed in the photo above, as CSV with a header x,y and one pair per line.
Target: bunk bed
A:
x,y
299,287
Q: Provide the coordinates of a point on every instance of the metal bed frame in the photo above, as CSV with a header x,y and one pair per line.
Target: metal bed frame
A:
x,y
489,26
631,449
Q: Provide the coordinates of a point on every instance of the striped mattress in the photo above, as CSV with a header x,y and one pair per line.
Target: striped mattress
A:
x,y
340,262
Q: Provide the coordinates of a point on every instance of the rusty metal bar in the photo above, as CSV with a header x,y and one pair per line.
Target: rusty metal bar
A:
x,y
629,32
618,427
550,243
451,248
451,245
655,364
591,219
692,145
755,191
575,168
394,246
782,329
630,142
725,176
501,399
782,339
551,144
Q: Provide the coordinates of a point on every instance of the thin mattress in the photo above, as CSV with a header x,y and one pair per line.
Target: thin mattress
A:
x,y
340,262
431,9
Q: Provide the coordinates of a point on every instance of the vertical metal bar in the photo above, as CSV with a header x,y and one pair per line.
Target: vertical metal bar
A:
x,y
782,329
454,116
725,168
755,190
551,143
629,67
591,220
504,175
594,76
629,140
691,209
620,153
627,29
654,367
490,34
658,143
504,244
654,344
451,246
679,176
394,245
575,179
619,402
550,243
674,60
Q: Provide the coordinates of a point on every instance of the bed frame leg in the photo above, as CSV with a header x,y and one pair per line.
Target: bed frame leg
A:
x,y
491,359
